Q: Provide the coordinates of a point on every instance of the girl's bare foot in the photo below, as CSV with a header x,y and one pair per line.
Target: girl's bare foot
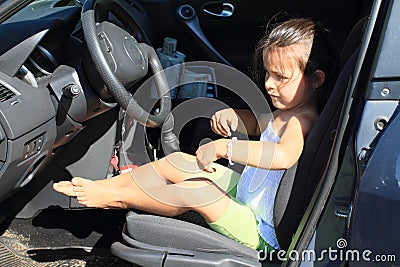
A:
x,y
89,193
95,195
66,187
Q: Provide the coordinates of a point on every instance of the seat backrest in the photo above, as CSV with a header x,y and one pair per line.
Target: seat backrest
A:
x,y
353,40
299,182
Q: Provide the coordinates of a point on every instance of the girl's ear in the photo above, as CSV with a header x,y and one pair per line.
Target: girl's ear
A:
x,y
318,79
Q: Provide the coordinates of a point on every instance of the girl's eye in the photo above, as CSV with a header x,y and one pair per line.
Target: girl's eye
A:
x,y
276,76
281,78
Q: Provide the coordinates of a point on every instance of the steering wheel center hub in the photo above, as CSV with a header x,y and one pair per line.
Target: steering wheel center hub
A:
x,y
122,53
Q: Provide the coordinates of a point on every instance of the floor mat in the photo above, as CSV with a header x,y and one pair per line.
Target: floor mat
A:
x,y
14,253
62,238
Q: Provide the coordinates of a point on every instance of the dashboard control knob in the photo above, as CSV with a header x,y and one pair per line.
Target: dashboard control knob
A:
x,y
71,90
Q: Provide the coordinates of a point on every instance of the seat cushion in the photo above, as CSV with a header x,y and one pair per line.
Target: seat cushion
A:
x,y
168,233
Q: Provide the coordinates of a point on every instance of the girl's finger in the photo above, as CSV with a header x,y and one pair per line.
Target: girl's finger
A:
x,y
222,127
214,126
226,128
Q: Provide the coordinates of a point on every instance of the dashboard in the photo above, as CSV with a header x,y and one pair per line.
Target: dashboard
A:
x,y
45,98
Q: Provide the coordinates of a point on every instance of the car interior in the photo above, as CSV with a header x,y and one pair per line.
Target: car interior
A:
x,y
178,241
66,110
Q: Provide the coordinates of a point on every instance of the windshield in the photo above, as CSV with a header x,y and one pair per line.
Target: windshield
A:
x,y
40,8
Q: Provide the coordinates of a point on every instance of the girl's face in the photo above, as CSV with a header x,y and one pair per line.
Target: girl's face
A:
x,y
284,80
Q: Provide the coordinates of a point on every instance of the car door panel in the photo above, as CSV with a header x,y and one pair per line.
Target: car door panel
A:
x,y
234,36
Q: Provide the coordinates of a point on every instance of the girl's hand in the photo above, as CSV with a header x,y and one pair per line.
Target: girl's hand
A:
x,y
223,121
207,154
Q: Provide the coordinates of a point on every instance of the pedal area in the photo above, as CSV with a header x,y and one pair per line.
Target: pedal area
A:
x,y
75,238
14,253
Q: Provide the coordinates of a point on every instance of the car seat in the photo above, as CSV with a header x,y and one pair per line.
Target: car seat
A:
x,y
150,240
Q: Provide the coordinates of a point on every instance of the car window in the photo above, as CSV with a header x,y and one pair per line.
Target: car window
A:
x,y
36,9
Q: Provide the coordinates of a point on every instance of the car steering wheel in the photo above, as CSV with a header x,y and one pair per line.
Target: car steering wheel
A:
x,y
108,44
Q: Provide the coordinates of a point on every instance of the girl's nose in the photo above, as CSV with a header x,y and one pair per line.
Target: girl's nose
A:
x,y
269,84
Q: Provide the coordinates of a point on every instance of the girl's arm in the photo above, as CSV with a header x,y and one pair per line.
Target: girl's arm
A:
x,y
281,155
266,155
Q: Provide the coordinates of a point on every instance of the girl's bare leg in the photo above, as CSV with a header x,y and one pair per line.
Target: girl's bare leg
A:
x,y
174,168
200,195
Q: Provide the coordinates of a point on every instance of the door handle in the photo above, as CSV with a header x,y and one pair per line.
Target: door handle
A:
x,y
190,19
227,11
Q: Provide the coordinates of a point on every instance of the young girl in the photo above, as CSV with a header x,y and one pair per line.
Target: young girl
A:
x,y
298,61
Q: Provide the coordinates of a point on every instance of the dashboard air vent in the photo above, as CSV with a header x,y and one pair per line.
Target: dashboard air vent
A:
x,y
5,93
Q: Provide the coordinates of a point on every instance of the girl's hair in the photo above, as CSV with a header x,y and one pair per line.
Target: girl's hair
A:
x,y
321,53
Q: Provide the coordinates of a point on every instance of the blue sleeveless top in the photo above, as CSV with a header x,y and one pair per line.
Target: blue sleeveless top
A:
x,y
257,189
